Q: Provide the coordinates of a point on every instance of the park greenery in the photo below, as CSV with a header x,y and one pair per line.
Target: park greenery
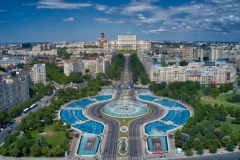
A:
x,y
207,129
57,75
138,71
41,120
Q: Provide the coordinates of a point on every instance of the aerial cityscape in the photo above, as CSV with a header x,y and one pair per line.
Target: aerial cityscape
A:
x,y
120,80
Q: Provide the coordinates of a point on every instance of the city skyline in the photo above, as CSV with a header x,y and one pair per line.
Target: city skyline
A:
x,y
79,20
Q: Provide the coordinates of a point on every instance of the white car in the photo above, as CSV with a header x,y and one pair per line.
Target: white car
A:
x,y
66,153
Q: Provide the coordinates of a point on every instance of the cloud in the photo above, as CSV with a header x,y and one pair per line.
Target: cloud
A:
x,y
128,32
68,19
59,4
2,10
100,7
102,20
221,16
120,21
1,21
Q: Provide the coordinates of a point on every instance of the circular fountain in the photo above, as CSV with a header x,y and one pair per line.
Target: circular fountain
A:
x,y
125,109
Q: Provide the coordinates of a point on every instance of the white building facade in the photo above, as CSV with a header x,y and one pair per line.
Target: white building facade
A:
x,y
37,74
53,52
213,72
127,42
74,67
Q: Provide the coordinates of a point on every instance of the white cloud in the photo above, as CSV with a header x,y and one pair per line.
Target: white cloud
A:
x,y
100,7
128,32
59,4
102,20
193,16
2,10
152,31
68,19
120,21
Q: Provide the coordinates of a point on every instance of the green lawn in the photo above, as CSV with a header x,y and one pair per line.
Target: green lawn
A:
x,y
221,100
235,127
54,138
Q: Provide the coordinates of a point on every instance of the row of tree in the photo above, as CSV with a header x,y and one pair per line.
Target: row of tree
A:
x,y
138,71
114,71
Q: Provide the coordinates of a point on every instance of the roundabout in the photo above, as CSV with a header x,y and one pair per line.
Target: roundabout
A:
x,y
117,123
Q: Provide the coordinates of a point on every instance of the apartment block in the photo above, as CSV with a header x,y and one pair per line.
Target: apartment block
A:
x,y
74,67
14,89
37,73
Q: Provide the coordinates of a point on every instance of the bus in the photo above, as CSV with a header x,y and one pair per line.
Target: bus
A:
x,y
26,110
33,106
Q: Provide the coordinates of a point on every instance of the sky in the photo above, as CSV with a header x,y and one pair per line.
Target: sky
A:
x,y
84,20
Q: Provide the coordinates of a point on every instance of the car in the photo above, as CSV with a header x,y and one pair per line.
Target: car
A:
x,y
9,132
10,127
42,105
66,153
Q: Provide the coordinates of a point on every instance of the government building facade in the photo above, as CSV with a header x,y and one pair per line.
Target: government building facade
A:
x,y
127,42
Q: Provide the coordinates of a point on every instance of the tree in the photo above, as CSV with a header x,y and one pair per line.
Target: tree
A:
x,y
35,150
14,151
60,122
200,151
216,143
87,70
58,151
68,126
183,63
3,117
45,150
42,142
213,149
226,140
188,153
230,147
225,130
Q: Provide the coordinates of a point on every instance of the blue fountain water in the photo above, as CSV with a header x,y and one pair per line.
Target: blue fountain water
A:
x,y
84,138
72,116
163,140
90,127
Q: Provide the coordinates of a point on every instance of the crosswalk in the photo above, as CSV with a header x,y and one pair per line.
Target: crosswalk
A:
x,y
124,158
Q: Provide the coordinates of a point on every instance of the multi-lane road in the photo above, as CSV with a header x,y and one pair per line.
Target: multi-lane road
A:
x,y
41,104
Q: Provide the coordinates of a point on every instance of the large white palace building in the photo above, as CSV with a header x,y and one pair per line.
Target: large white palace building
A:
x,y
127,42
213,72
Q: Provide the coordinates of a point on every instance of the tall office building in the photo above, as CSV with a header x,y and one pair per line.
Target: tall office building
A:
x,y
37,73
188,53
214,53
14,89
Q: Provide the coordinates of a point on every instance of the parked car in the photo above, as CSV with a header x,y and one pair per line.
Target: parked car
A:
x,y
9,132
